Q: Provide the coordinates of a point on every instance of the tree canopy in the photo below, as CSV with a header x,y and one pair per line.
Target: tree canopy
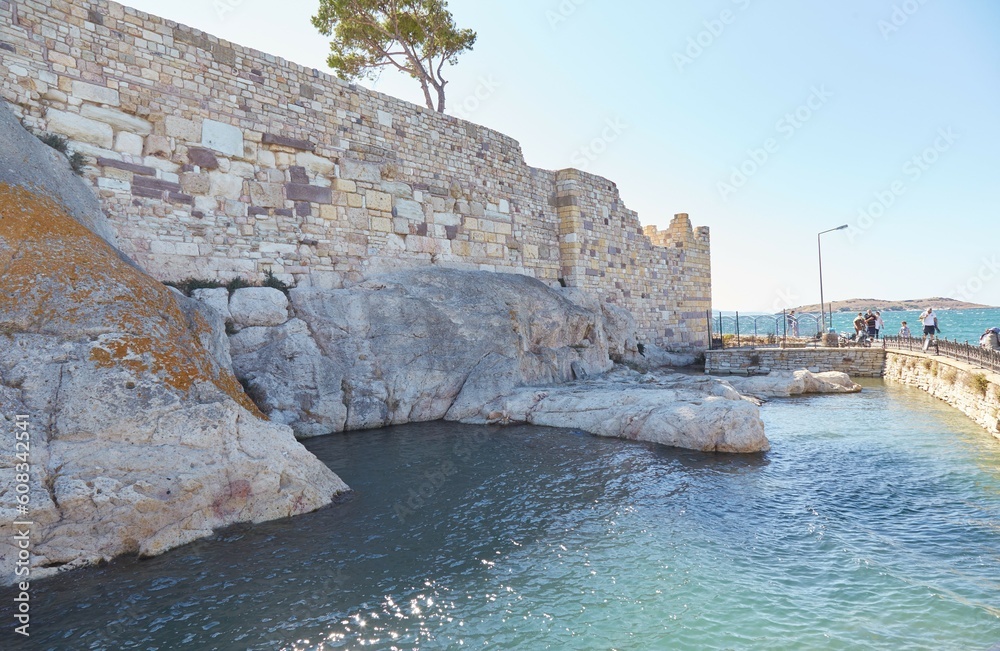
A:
x,y
417,37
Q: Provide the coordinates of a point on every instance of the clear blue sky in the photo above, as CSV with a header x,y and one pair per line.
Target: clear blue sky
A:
x,y
881,114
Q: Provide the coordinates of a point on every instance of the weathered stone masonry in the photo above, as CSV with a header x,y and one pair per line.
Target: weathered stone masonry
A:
x,y
972,390
215,160
856,362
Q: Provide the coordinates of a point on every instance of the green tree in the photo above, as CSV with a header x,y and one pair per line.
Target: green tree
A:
x,y
417,37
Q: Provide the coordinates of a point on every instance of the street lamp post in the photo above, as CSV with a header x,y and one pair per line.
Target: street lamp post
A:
x,y
822,308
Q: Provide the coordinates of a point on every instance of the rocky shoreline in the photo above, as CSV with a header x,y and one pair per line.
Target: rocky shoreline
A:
x,y
156,419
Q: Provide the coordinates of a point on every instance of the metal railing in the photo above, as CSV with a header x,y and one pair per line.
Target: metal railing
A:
x,y
770,330
969,353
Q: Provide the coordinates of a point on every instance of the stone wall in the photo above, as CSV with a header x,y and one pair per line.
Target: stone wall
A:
x,y
214,160
972,390
856,362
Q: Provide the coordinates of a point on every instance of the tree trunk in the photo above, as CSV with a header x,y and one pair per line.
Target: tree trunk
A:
x,y
440,92
427,93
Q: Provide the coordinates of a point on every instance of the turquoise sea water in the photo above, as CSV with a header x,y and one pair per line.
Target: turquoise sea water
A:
x,y
960,325
963,325
873,523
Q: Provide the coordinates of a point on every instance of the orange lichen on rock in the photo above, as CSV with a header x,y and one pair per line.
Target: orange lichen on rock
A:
x,y
59,278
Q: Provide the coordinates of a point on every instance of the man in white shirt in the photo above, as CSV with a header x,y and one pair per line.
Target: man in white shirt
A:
x,y
930,321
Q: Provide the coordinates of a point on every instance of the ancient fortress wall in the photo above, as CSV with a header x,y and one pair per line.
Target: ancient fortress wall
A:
x,y
214,160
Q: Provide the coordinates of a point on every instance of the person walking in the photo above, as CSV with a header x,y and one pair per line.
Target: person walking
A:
x,y
930,322
879,324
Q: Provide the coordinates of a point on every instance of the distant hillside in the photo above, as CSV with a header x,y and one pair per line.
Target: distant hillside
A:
x,y
862,304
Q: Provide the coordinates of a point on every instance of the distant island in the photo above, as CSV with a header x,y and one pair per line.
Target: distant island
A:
x,y
920,304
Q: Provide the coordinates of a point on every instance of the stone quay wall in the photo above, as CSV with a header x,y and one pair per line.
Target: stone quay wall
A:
x,y
973,391
214,160
856,362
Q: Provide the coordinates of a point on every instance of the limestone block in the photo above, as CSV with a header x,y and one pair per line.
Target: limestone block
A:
x,y
157,147
193,183
161,164
227,186
128,143
222,137
447,219
94,93
375,200
265,158
183,130
62,59
407,209
316,165
114,184
239,168
419,244
343,185
119,120
187,248
358,218
360,171
268,195
384,118
258,306
53,95
235,208
207,204
81,129
397,189
277,249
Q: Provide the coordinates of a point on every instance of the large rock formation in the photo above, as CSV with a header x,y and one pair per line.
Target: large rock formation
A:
x,y
405,347
671,409
141,438
475,347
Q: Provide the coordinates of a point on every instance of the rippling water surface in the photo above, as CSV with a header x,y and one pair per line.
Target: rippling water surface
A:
x,y
874,523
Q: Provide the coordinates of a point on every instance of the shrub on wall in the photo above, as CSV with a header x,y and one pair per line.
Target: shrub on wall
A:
x,y
190,284
948,374
979,383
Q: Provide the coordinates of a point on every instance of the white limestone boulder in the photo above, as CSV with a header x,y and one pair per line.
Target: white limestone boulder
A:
x,y
290,379
793,383
676,410
258,306
216,298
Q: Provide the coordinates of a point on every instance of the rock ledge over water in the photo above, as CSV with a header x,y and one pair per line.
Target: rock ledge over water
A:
x,y
137,437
